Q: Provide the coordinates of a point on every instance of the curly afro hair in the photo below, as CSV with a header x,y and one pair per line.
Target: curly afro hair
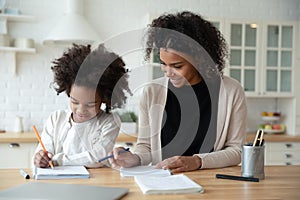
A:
x,y
192,26
99,69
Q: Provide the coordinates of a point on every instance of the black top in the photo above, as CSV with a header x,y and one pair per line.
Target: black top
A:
x,y
186,120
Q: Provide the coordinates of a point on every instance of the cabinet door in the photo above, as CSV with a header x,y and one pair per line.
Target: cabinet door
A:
x,y
16,155
243,50
283,153
278,63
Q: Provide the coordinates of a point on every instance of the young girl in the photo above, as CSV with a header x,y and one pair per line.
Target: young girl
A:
x,y
86,133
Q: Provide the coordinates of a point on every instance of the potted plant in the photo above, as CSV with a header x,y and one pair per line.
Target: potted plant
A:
x,y
128,122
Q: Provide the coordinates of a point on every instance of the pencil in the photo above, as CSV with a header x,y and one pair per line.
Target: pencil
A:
x,y
40,141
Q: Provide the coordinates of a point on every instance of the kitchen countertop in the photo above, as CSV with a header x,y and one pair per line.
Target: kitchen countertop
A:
x,y
274,137
29,137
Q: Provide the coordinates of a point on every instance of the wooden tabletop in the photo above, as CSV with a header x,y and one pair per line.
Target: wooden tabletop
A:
x,y
281,182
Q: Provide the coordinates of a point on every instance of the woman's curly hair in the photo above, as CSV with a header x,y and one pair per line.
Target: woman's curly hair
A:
x,y
99,69
191,25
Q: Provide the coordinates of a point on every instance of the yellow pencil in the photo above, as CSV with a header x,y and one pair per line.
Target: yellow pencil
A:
x,y
40,141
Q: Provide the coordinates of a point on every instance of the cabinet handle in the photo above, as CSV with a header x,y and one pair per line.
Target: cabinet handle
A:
x,y
14,145
287,155
288,163
288,145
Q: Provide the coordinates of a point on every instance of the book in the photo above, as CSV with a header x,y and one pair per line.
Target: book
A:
x,y
57,191
60,172
174,184
143,170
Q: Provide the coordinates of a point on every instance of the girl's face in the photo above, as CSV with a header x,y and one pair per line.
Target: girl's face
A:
x,y
178,69
84,102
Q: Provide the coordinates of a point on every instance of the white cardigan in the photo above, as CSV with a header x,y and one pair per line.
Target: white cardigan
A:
x,y
231,124
83,143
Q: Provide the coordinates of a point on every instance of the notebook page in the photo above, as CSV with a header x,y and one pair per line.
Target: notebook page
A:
x,y
61,171
143,170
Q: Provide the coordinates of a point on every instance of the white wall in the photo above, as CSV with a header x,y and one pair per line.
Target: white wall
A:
x,y
28,94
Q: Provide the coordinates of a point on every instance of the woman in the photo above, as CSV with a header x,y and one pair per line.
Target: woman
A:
x,y
195,117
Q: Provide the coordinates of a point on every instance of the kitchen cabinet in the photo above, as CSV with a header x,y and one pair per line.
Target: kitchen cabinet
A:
x,y
262,57
155,68
282,153
12,51
16,155
279,48
17,149
280,149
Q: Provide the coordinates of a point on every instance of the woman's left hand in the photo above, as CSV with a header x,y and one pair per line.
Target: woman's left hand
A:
x,y
180,163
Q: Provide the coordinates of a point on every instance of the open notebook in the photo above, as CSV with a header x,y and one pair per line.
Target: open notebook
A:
x,y
160,181
174,184
61,172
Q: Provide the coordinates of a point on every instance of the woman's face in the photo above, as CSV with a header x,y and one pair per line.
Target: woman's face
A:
x,y
178,69
84,102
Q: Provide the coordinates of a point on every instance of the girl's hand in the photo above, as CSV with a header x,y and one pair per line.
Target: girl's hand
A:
x,y
180,163
126,159
42,159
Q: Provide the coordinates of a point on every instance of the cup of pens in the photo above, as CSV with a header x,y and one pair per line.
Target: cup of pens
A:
x,y
253,157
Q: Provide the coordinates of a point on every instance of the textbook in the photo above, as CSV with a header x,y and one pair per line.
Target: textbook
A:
x,y
143,170
174,184
60,172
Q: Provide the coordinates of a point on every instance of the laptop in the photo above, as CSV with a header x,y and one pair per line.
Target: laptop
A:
x,y
54,191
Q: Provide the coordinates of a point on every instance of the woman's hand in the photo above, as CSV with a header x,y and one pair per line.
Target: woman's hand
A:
x,y
42,159
180,163
126,159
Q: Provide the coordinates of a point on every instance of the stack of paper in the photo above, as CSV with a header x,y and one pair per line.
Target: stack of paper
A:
x,y
61,172
144,170
160,181
167,185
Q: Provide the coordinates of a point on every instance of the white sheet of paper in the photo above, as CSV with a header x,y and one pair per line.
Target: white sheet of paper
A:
x,y
60,172
143,170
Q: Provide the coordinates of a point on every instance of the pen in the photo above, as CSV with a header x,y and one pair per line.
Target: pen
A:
x,y
40,141
110,156
258,138
238,178
24,174
261,140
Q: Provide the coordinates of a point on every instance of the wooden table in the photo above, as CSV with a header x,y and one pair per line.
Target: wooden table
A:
x,y
281,182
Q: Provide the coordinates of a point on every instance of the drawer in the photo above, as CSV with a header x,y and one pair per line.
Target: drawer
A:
x,y
285,156
282,146
283,163
16,155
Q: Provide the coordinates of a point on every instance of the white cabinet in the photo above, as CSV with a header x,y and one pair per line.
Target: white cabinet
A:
x,y
282,153
262,57
243,40
278,63
16,155
12,51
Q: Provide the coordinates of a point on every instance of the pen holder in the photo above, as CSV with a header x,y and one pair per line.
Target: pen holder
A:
x,y
253,161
